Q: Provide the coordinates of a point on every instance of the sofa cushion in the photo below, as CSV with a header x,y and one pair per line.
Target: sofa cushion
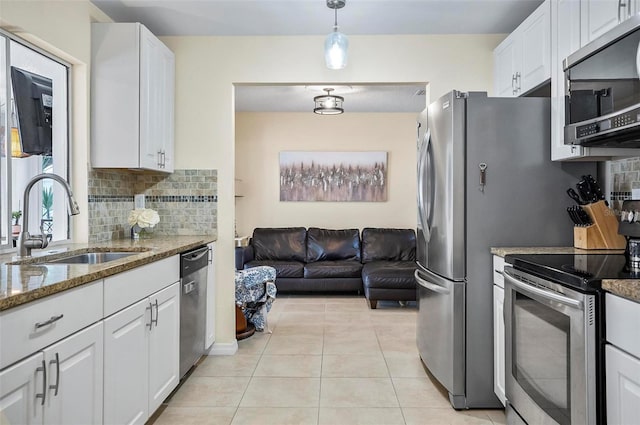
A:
x,y
389,274
324,269
283,268
332,245
388,244
284,244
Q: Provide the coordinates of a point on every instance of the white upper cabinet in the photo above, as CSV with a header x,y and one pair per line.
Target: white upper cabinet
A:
x,y
567,36
599,16
565,39
522,61
132,98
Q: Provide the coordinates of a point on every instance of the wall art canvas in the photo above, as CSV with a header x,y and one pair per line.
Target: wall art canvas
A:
x,y
333,176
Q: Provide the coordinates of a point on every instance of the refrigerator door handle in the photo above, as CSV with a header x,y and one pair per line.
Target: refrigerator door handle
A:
x,y
431,286
424,149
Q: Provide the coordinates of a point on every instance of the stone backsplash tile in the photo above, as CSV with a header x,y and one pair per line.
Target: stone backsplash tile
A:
x,y
186,201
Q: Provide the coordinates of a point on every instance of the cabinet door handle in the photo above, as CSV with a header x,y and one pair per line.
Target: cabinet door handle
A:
x,y
513,81
620,6
164,159
159,159
157,314
57,384
150,308
518,81
42,395
48,322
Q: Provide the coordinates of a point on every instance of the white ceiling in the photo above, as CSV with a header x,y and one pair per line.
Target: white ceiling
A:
x,y
313,17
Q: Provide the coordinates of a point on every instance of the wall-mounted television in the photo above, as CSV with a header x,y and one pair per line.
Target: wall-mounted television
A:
x,y
33,96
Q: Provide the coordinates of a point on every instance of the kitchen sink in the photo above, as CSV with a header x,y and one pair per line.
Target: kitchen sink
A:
x,y
96,256
92,258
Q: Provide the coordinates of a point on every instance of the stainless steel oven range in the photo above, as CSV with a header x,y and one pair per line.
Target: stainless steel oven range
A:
x,y
554,336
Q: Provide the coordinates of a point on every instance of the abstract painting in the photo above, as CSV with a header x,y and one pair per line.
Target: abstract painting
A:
x,y
333,176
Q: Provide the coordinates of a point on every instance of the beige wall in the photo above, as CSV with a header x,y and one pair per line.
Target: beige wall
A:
x,y
208,67
206,70
63,28
261,136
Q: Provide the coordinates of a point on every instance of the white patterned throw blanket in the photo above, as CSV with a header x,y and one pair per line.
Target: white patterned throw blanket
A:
x,y
255,292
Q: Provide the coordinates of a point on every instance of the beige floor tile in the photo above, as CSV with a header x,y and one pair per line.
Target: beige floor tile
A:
x,y
343,307
276,416
299,329
255,344
207,391
294,344
419,392
282,392
352,320
361,416
299,317
357,392
350,344
497,416
444,416
304,308
354,366
405,365
399,343
285,365
360,332
196,416
237,365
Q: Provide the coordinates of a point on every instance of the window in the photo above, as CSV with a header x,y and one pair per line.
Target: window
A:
x,y
34,139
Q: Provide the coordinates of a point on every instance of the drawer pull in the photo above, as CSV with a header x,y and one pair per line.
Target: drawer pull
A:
x,y
57,384
157,314
150,308
42,395
48,322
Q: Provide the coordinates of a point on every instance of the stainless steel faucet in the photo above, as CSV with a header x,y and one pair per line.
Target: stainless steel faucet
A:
x,y
27,242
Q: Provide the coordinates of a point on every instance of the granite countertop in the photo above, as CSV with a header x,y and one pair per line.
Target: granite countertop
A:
x,y
625,288
502,251
32,280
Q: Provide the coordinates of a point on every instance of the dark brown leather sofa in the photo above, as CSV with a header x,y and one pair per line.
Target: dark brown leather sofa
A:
x,y
327,260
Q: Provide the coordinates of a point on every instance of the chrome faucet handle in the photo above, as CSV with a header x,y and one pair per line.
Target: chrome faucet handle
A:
x,y
43,237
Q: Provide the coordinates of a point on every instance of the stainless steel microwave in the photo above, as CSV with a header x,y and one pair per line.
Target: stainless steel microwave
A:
x,y
602,97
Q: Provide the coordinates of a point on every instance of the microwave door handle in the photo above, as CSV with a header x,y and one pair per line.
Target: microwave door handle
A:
x,y
541,292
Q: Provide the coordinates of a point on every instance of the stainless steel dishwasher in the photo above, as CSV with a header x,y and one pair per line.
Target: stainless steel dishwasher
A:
x,y
193,306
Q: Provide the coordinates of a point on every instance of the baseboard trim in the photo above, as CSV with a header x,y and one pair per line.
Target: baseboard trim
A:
x,y
223,349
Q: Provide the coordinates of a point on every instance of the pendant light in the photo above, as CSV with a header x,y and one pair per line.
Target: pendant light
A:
x,y
328,104
336,43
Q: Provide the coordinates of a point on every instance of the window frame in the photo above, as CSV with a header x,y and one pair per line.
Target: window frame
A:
x,y
6,38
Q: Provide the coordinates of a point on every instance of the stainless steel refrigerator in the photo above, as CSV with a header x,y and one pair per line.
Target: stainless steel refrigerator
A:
x,y
485,178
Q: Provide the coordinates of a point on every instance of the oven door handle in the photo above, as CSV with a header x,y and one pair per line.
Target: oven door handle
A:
x,y
541,292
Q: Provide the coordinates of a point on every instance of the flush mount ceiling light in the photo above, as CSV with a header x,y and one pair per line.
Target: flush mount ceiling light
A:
x,y
336,43
328,104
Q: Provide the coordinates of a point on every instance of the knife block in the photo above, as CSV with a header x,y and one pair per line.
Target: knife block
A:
x,y
603,233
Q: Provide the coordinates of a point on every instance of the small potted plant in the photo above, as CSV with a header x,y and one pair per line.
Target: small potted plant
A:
x,y
15,229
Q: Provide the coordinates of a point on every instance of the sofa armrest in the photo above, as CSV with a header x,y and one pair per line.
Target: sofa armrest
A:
x,y
244,254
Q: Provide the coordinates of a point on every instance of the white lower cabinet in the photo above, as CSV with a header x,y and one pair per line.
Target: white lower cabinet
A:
x,y
623,386
141,357
622,357
498,328
498,343
60,385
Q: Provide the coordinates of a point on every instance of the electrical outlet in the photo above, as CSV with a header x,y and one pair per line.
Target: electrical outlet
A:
x,y
139,200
